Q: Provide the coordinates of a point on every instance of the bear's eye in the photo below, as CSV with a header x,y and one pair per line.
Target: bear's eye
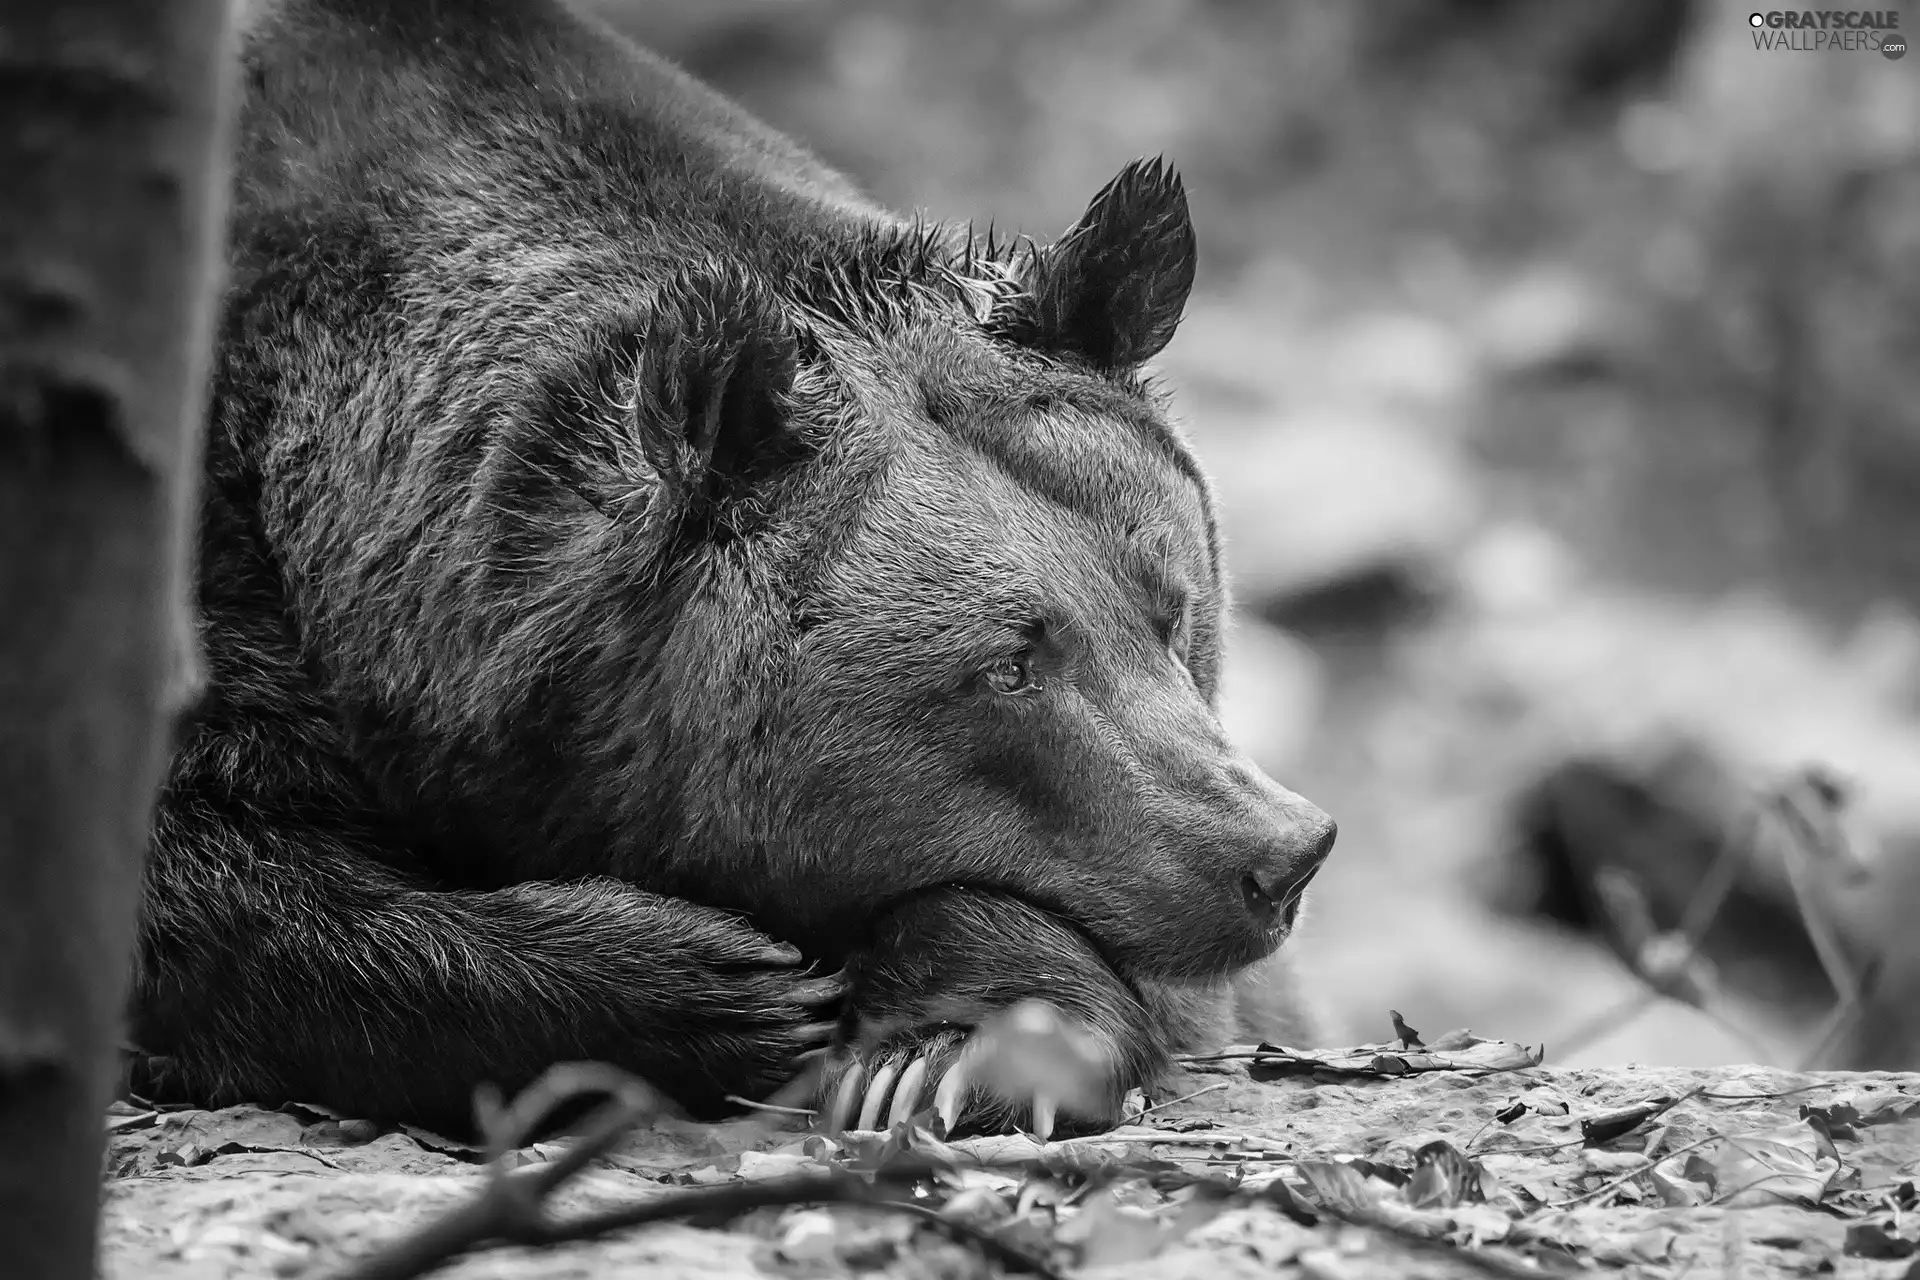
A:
x,y
1012,675
1176,634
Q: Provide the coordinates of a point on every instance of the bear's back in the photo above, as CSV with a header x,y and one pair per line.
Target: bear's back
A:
x,y
441,209
544,117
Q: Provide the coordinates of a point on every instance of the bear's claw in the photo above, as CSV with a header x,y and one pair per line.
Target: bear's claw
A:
x,y
882,1089
906,1091
846,1098
951,1096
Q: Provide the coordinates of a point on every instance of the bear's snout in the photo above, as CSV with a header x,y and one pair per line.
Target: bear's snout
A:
x,y
1281,839
1274,886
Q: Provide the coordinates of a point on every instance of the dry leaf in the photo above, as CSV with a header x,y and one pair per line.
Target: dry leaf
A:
x,y
1872,1240
128,1119
1281,1196
1339,1188
1674,1188
758,1165
1891,1111
445,1146
1473,1225
1541,1101
978,1205
1793,1163
1837,1118
1001,1149
1611,1163
1107,1232
1470,1053
1443,1176
1598,1130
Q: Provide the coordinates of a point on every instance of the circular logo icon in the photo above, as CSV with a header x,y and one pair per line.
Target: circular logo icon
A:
x,y
1756,19
1894,46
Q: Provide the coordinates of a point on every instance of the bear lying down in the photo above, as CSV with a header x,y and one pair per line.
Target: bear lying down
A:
x,y
640,576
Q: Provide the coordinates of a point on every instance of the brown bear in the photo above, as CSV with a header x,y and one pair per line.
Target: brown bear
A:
x,y
639,576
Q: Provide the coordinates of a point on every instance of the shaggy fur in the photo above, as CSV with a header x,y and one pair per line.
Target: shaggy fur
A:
x,y
625,546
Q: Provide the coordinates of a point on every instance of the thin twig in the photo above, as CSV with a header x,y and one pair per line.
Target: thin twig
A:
x,y
1208,1139
1839,1023
751,1105
604,1130
1703,907
1467,1147
512,1209
1696,1092
811,1188
1820,932
997,1250
1852,989
1726,1197
1534,1151
1714,887
1477,1072
1174,1102
1641,1172
497,1218
1767,1097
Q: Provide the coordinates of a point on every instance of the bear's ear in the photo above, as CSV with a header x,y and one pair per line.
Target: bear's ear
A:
x,y
711,387
1112,288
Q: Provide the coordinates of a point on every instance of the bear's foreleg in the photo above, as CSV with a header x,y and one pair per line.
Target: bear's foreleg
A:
x,y
292,962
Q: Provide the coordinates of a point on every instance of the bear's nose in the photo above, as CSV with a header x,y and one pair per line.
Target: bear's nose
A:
x,y
1275,889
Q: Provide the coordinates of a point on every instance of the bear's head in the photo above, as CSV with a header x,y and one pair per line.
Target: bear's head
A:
x,y
942,600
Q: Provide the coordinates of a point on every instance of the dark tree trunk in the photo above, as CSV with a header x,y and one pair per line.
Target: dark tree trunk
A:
x,y
112,181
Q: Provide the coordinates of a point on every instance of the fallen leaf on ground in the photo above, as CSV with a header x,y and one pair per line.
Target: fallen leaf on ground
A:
x,y
1539,1101
1105,1231
1340,1188
1683,1182
756,1165
1464,1051
1891,1111
1793,1162
1442,1177
445,1146
1598,1130
1872,1240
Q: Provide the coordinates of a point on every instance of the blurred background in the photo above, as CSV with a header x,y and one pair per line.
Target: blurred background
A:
x,y
1551,362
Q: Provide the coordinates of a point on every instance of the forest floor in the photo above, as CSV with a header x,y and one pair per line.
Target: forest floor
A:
x,y
1456,1159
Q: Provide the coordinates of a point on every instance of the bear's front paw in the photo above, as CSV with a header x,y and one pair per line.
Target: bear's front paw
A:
x,y
767,1026
949,995
1028,1069
743,1014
